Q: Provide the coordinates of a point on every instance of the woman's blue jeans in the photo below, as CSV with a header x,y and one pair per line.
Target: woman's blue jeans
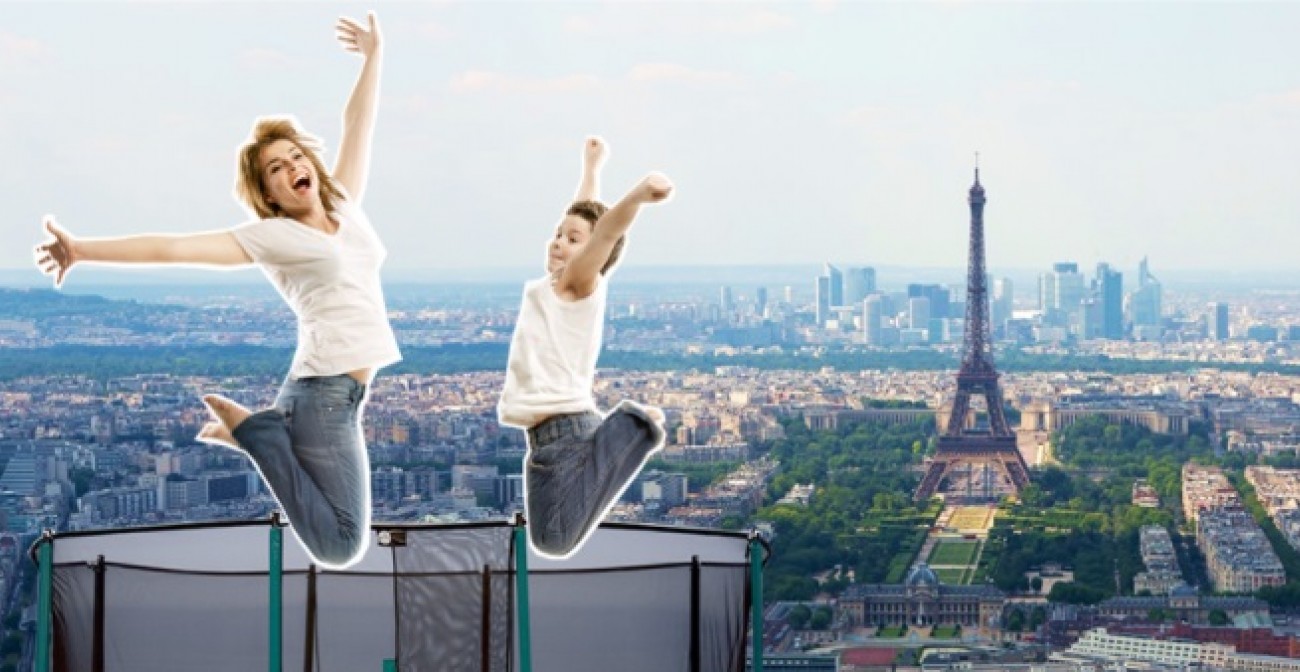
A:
x,y
310,450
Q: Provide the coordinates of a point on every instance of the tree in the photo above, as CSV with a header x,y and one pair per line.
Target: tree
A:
x,y
1033,495
798,617
1036,584
13,643
1037,617
1075,593
1218,617
883,501
1016,620
821,618
81,479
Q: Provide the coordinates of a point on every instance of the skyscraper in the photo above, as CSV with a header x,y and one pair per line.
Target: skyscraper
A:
x,y
835,282
1144,273
1046,294
858,283
760,301
823,297
1091,318
938,295
1108,286
1218,321
872,315
1067,294
1002,306
726,300
1145,303
918,312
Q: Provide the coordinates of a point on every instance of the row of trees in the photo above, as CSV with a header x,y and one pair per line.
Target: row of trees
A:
x,y
803,618
859,517
1082,516
1131,451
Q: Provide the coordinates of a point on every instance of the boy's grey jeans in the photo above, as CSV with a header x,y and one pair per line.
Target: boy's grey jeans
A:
x,y
577,467
310,451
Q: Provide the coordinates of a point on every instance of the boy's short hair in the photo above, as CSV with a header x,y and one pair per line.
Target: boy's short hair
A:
x,y
592,211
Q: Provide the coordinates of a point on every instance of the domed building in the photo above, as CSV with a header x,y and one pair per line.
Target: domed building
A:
x,y
922,599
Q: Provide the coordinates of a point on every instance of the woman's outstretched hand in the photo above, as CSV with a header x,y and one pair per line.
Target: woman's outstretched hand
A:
x,y
358,38
55,257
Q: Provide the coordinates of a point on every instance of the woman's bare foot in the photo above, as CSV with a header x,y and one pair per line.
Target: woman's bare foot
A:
x,y
216,434
228,414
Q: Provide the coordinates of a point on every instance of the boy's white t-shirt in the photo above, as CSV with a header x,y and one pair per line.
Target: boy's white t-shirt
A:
x,y
553,354
332,284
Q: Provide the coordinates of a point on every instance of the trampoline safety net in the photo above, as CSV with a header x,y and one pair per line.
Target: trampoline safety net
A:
x,y
433,598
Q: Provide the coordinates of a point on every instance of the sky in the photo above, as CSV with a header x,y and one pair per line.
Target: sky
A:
x,y
795,132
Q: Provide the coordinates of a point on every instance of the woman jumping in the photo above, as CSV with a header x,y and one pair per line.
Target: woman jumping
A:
x,y
317,247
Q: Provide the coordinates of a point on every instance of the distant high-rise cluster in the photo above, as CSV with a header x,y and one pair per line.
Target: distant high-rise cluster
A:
x,y
1071,307
841,293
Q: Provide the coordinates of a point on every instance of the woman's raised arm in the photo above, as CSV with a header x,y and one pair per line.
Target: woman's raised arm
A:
x,y
353,166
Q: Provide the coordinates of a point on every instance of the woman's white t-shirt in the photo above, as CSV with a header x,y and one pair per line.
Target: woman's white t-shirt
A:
x,y
332,284
553,354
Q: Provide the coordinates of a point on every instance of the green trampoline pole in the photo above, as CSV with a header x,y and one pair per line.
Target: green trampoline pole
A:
x,y
521,589
44,601
756,605
276,574
390,665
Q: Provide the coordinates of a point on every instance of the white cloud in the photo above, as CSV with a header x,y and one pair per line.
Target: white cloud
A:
x,y
1284,101
489,81
19,50
650,72
755,22
258,57
761,21
496,82
432,30
412,104
583,25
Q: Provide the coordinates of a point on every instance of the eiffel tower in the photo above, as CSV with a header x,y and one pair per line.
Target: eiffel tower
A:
x,y
991,450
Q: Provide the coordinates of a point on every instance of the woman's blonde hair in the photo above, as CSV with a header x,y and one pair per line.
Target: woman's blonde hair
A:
x,y
248,183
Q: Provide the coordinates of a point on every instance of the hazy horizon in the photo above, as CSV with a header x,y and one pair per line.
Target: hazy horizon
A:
x,y
740,276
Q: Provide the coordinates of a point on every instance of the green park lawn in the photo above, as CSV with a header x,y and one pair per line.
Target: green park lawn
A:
x,y
954,553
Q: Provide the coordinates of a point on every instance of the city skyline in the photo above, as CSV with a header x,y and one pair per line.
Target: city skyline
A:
x,y
856,123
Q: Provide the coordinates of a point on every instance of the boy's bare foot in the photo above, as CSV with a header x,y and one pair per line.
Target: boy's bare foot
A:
x,y
228,414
